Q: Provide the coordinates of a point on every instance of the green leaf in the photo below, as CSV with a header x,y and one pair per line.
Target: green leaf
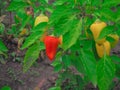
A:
x,y
71,37
31,39
57,62
58,67
107,30
55,88
117,74
80,82
115,58
96,2
64,25
105,73
66,60
86,44
59,2
89,64
15,5
59,12
39,27
82,2
110,39
3,48
25,20
2,53
5,88
76,62
2,28
75,46
108,14
31,56
110,3
42,46
46,1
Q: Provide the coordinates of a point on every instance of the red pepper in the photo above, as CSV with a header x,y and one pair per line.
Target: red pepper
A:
x,y
51,44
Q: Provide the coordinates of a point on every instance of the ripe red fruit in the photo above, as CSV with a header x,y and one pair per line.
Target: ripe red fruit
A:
x,y
51,44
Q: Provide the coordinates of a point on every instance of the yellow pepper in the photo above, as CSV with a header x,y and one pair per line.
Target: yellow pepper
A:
x,y
103,48
40,18
96,29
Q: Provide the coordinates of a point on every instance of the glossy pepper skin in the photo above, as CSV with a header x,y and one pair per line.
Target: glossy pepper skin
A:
x,y
41,18
103,48
51,44
96,29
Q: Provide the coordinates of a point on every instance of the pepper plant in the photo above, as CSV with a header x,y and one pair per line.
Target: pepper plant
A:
x,y
80,58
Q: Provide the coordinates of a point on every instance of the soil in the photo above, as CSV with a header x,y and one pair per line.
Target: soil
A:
x,y
41,76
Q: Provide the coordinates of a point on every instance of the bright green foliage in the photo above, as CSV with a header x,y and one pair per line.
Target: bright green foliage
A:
x,y
31,55
71,19
16,5
105,73
73,34
31,39
5,88
55,88
3,48
2,28
89,65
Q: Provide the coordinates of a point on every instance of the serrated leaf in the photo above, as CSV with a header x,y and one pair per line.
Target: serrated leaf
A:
x,y
3,48
105,73
89,64
15,5
59,12
31,39
64,25
31,56
73,34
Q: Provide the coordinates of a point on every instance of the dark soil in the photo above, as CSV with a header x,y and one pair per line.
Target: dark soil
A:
x,y
40,76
